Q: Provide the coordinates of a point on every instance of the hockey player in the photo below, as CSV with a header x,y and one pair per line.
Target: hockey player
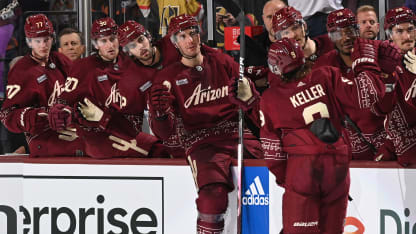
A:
x,y
150,58
196,88
34,85
111,110
399,25
288,23
365,129
300,116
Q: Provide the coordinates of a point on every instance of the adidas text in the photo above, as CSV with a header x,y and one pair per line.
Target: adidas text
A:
x,y
256,200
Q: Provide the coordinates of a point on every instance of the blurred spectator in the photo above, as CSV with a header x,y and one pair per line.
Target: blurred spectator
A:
x,y
368,22
171,8
7,16
70,43
315,13
224,19
268,10
257,48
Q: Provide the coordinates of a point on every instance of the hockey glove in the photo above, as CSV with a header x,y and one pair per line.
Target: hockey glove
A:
x,y
160,101
389,57
365,55
59,117
34,121
90,115
410,62
90,111
243,93
256,72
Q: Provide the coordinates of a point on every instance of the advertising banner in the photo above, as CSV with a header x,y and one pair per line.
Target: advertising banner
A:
x,y
255,200
123,199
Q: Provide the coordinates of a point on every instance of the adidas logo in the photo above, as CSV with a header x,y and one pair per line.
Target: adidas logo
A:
x,y
255,195
300,84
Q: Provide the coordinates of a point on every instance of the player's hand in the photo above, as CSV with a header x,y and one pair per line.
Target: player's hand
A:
x,y
389,57
59,117
90,111
160,100
243,93
365,55
410,62
256,72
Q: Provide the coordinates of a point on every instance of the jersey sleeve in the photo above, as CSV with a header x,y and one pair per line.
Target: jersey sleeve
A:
x,y
365,91
21,97
270,137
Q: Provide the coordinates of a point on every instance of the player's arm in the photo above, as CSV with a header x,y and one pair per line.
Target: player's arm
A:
x,y
274,156
367,88
20,112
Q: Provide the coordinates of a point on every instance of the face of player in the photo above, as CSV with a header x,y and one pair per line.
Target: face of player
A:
x,y
188,42
345,38
296,31
404,35
368,24
70,46
141,48
108,47
41,47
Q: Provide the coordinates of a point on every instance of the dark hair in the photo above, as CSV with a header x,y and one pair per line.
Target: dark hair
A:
x,y
67,31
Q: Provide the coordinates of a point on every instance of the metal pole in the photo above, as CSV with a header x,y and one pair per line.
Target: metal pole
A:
x,y
381,15
84,23
210,22
111,9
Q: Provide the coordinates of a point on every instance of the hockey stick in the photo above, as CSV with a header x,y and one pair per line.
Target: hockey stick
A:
x,y
240,121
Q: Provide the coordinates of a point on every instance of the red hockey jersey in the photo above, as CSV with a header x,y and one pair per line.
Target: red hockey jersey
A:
x,y
401,121
287,109
201,100
114,88
34,87
370,124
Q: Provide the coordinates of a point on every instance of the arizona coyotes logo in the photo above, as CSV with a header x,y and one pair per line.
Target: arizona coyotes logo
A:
x,y
70,85
411,92
124,145
115,97
168,13
57,90
207,95
12,90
